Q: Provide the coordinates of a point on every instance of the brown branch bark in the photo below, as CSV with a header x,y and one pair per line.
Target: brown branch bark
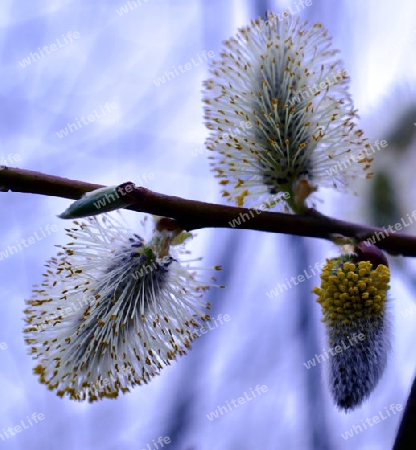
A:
x,y
191,214
406,435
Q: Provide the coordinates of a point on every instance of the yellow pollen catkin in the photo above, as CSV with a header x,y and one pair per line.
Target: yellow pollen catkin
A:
x,y
351,291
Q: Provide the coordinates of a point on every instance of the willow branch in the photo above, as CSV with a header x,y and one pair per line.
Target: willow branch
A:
x,y
191,214
406,435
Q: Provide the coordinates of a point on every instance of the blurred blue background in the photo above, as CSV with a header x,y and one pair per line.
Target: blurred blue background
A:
x,y
150,136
